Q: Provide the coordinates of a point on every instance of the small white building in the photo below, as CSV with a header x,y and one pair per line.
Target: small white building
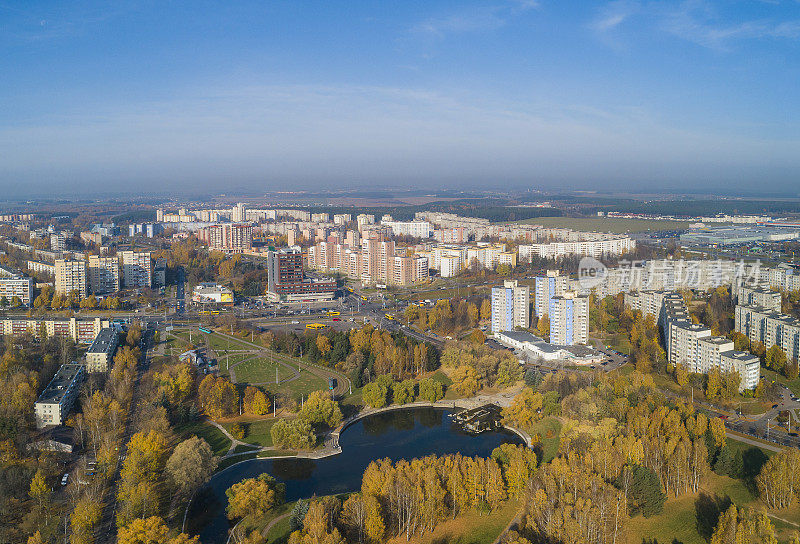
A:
x,y
205,293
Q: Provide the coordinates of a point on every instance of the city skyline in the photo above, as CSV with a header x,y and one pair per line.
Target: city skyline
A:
x,y
619,95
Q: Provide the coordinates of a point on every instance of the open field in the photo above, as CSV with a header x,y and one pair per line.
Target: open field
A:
x,y
689,519
548,430
469,528
606,224
219,442
257,431
261,370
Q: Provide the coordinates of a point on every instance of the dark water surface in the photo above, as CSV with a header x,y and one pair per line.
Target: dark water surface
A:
x,y
396,434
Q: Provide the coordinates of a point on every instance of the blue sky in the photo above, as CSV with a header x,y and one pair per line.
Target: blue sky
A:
x,y
180,96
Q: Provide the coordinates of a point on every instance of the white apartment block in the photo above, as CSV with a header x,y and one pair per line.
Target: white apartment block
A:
x,y
485,255
342,218
417,229
17,286
55,402
693,346
569,319
547,287
100,355
616,245
71,275
749,295
510,306
41,268
769,327
137,269
103,274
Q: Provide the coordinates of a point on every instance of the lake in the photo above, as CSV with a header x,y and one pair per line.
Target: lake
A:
x,y
396,434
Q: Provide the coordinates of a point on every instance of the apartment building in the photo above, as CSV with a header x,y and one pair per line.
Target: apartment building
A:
x,y
510,306
137,269
228,237
54,404
81,331
417,229
239,213
71,275
17,286
769,327
287,281
160,272
486,255
569,319
41,268
750,295
103,274
100,355
610,246
692,345
547,287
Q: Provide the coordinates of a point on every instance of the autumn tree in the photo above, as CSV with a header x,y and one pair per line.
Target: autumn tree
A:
x,y
253,496
191,465
293,434
525,409
743,526
320,409
430,390
465,380
255,401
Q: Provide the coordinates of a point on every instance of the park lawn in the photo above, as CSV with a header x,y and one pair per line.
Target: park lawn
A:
x,y
221,342
469,528
678,521
216,439
549,431
616,225
261,370
303,385
279,533
256,430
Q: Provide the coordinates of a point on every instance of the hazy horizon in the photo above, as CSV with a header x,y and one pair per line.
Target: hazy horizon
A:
x,y
192,97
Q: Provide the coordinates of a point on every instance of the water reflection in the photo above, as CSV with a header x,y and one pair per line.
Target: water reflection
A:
x,y
397,434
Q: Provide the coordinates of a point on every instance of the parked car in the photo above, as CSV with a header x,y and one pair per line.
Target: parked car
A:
x,y
65,478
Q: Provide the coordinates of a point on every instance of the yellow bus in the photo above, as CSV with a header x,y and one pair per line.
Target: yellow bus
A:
x,y
204,312
350,289
390,317
333,313
315,326
364,299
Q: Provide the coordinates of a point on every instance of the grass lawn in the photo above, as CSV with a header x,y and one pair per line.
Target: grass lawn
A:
x,y
261,370
549,430
225,343
279,533
228,461
219,442
256,430
470,528
305,384
682,517
616,225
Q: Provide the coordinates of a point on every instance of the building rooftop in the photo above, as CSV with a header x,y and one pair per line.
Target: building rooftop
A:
x,y
105,341
717,340
521,336
58,386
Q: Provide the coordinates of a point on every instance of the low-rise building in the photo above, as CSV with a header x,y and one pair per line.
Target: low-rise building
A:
x,y
17,286
100,355
55,402
210,292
